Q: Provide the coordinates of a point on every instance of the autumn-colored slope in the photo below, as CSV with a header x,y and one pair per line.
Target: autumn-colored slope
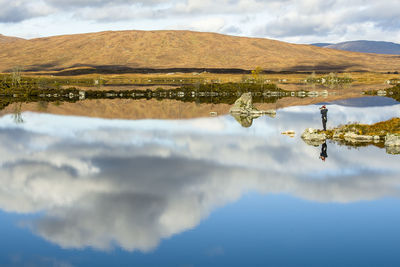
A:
x,y
7,39
182,49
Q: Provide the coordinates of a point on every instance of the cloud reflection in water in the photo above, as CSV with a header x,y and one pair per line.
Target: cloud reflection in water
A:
x,y
102,183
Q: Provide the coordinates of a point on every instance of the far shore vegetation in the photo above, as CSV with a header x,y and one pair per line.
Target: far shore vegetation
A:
x,y
393,92
14,89
257,75
204,87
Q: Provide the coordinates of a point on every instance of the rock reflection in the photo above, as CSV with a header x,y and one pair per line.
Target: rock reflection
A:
x,y
17,114
246,120
131,184
244,111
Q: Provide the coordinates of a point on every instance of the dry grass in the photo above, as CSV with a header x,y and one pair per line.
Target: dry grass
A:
x,y
391,126
7,39
365,78
185,49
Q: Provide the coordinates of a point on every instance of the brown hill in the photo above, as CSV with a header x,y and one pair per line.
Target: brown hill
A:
x,y
7,39
182,49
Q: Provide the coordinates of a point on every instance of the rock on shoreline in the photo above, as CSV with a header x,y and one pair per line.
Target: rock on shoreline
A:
x,y
392,143
313,137
244,106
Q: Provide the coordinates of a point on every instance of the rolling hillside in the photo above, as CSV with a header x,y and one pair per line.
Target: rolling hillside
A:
x,y
181,49
7,39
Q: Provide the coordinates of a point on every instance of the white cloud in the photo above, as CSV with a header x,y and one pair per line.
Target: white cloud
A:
x,y
208,25
133,183
290,20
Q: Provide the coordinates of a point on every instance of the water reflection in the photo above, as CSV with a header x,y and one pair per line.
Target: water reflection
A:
x,y
324,152
246,120
104,183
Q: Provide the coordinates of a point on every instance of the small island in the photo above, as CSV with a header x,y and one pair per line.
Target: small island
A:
x,y
382,134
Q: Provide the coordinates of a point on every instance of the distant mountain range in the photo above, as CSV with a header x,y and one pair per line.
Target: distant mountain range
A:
x,y
131,51
377,47
321,44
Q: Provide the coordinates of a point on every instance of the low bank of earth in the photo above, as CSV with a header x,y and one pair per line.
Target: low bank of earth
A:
x,y
385,133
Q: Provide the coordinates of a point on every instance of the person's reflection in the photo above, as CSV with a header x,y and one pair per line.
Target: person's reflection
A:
x,y
324,152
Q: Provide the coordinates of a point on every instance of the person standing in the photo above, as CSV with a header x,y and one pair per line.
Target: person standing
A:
x,y
324,115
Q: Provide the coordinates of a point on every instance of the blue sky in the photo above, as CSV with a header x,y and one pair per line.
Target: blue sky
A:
x,y
298,21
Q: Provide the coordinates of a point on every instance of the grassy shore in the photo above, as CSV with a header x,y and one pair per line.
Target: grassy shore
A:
x,y
380,129
393,92
178,79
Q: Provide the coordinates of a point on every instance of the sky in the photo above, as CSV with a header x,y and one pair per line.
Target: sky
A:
x,y
297,21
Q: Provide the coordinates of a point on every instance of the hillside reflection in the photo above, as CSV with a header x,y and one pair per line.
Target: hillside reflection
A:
x,y
101,183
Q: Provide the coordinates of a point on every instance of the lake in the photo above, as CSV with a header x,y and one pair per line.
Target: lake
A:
x,y
182,188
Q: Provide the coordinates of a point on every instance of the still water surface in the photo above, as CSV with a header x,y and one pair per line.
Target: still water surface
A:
x,y
79,191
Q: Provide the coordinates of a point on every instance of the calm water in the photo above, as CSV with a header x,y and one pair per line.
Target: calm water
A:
x,y
78,191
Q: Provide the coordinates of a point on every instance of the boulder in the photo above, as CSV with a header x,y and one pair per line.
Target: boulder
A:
x,y
244,111
357,138
244,106
312,137
392,140
395,150
381,93
290,133
244,120
337,135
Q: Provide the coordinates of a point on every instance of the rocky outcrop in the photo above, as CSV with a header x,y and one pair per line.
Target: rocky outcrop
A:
x,y
290,133
316,137
392,143
244,105
313,137
395,150
358,138
392,140
244,111
244,120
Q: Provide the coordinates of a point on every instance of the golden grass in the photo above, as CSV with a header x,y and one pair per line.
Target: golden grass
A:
x,y
359,78
8,39
183,49
391,126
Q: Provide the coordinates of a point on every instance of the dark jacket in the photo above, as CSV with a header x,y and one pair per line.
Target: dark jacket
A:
x,y
324,150
324,113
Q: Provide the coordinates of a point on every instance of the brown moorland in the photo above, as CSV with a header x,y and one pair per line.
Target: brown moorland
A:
x,y
7,39
181,49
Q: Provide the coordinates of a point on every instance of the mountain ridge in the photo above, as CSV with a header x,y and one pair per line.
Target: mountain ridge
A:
x,y
9,39
365,46
181,49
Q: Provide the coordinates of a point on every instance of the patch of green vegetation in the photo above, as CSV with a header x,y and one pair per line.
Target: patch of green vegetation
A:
x,y
393,92
216,93
14,82
200,93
